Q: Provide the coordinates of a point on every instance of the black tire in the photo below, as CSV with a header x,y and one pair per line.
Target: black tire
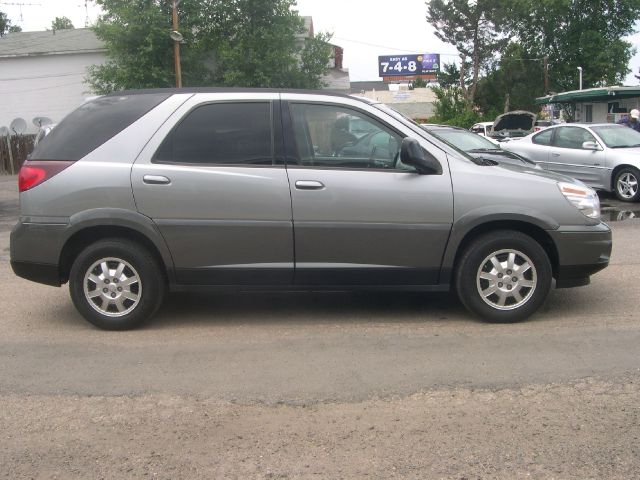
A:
x,y
622,178
474,263
142,296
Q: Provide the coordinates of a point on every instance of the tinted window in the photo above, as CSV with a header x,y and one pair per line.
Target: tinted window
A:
x,y
92,124
221,133
572,137
543,138
334,136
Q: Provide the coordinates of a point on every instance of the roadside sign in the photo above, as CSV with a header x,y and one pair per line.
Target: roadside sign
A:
x,y
419,64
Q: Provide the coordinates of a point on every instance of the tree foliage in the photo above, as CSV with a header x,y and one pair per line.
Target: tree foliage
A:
x,y
452,108
248,43
474,28
573,33
6,26
519,34
62,23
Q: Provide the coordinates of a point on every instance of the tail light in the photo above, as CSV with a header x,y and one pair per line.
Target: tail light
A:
x,y
35,172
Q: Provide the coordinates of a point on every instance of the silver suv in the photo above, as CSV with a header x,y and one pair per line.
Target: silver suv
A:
x,y
137,193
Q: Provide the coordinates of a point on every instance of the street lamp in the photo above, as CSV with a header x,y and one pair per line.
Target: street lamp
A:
x,y
176,36
580,73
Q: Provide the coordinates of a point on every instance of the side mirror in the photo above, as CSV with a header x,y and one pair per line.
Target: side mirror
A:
x,y
412,154
590,146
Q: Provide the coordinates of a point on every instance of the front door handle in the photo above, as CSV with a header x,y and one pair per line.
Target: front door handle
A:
x,y
309,185
554,154
156,180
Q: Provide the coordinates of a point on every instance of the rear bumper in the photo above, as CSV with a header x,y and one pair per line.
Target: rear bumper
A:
x,y
582,251
35,251
38,272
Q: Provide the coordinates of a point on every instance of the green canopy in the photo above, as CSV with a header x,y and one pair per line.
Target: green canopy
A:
x,y
590,94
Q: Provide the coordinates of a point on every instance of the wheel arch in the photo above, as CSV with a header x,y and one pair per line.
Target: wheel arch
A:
x,y
616,170
533,230
90,227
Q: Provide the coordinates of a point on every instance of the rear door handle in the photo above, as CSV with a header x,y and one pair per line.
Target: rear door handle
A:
x,y
554,154
309,185
156,180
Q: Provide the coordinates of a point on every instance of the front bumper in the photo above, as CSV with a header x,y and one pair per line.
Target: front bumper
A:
x,y
582,251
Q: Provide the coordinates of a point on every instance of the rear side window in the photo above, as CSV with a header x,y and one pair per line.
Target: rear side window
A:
x,y
221,134
543,138
93,123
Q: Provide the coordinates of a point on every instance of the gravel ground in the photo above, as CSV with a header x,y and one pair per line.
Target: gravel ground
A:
x,y
587,429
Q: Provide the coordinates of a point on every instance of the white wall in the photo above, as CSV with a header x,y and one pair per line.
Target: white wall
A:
x,y
43,86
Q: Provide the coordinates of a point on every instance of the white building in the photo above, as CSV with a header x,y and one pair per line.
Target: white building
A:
x,y
601,104
42,73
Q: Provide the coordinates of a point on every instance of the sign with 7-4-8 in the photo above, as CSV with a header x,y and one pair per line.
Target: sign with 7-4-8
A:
x,y
420,64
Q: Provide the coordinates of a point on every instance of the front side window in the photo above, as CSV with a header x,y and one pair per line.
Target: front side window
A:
x,y
335,136
543,138
221,134
572,137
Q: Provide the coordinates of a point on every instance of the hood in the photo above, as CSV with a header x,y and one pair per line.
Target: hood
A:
x,y
538,172
516,120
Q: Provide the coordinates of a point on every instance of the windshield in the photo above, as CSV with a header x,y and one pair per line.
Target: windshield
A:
x,y
464,140
618,136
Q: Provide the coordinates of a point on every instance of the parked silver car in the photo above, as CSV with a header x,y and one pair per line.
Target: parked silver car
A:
x,y
139,192
605,156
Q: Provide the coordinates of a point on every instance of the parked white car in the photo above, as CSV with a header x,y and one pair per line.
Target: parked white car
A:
x,y
605,156
482,128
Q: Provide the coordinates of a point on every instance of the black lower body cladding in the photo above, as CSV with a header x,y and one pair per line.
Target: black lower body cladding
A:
x,y
582,251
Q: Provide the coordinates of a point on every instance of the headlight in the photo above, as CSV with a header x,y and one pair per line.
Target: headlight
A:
x,y
583,198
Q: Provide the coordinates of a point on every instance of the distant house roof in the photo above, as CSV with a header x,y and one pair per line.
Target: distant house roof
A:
x,y
28,44
590,94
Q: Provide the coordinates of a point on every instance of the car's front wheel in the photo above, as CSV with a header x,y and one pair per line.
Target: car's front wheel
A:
x,y
116,284
626,184
503,276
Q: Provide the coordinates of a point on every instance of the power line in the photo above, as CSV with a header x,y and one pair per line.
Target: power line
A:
x,y
388,47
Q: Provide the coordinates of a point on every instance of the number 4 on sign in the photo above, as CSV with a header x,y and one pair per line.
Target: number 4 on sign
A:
x,y
398,67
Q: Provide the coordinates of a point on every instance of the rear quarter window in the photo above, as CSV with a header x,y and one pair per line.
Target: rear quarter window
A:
x,y
93,123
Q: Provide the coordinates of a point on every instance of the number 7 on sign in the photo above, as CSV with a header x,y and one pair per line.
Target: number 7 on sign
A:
x,y
385,66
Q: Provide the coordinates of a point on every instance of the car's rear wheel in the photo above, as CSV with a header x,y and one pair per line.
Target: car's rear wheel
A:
x,y
503,276
626,184
116,284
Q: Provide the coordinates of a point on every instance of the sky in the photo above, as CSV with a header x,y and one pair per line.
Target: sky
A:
x,y
361,27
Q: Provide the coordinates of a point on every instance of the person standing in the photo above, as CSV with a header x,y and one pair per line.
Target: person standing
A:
x,y
632,120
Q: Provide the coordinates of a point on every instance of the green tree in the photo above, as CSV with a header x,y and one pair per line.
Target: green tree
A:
x,y
577,33
474,28
251,43
5,25
512,83
62,23
452,108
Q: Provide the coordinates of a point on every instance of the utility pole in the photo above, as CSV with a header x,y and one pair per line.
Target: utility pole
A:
x,y
580,81
175,35
546,74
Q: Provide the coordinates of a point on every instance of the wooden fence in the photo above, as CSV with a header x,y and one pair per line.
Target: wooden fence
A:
x,y
11,160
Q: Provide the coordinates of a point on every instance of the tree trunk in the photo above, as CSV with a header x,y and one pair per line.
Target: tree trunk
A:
x,y
476,66
463,87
